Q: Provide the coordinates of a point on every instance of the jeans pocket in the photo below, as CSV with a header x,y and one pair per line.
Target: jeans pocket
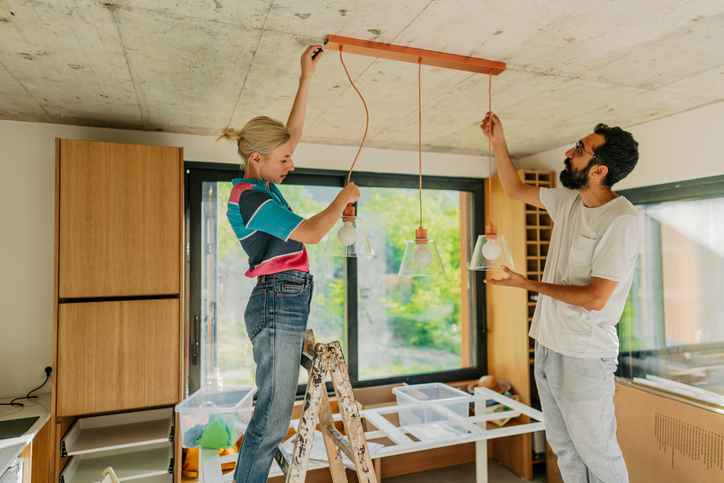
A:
x,y
289,288
255,313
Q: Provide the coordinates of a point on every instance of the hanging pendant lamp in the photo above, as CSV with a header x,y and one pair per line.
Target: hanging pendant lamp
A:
x,y
348,237
421,258
491,251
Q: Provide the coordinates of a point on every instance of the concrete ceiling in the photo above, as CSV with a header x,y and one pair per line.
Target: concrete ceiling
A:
x,y
194,66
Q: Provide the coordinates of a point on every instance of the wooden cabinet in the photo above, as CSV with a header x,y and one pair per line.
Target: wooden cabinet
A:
x,y
117,355
120,229
509,311
118,295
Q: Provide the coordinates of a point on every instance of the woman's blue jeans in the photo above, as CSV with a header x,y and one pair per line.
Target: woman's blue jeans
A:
x,y
276,319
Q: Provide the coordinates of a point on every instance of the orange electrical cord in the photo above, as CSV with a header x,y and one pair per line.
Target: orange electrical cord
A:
x,y
490,148
366,111
419,124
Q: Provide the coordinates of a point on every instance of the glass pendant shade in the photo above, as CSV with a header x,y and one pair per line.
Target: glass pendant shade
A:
x,y
491,251
348,237
421,258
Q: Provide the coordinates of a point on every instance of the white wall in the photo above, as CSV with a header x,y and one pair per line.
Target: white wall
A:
x,y
676,148
27,216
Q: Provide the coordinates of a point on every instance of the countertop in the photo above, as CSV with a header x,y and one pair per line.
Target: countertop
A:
x,y
11,448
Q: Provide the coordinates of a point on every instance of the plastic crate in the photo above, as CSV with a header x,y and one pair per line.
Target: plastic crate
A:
x,y
432,411
212,413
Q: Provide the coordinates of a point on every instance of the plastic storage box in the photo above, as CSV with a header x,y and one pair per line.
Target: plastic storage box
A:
x,y
215,417
432,411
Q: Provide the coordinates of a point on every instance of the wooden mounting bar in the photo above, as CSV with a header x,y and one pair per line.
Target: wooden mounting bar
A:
x,y
409,54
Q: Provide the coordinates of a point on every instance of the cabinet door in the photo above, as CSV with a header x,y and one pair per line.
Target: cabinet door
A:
x,y
116,356
119,216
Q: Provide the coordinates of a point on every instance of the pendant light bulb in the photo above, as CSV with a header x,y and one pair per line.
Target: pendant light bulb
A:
x,y
491,250
347,235
422,256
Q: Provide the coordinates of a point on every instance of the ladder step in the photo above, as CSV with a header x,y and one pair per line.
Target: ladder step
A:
x,y
307,361
340,441
282,457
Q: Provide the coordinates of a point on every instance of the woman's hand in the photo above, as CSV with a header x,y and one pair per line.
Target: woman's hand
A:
x,y
308,64
492,121
350,193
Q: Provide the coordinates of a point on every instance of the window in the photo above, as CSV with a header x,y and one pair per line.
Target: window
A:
x,y
391,328
672,329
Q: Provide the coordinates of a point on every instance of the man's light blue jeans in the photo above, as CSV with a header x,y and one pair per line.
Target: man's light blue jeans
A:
x,y
276,319
577,399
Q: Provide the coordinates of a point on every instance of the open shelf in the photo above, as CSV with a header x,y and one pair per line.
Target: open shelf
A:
x,y
538,230
512,312
102,434
128,463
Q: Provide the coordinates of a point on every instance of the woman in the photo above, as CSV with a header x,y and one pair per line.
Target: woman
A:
x,y
273,237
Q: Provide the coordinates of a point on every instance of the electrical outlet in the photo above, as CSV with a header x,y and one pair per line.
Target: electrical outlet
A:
x,y
41,370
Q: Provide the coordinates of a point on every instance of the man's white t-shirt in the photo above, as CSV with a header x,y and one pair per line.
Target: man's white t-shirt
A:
x,y
586,242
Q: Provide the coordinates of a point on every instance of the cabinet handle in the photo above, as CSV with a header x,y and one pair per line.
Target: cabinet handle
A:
x,y
195,350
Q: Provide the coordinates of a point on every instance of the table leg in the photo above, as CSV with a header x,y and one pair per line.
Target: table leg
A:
x,y
481,461
481,448
209,466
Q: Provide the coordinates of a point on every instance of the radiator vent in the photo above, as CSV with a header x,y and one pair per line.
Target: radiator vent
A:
x,y
690,441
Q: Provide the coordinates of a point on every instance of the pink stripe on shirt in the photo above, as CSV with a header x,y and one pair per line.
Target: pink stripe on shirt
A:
x,y
237,190
295,261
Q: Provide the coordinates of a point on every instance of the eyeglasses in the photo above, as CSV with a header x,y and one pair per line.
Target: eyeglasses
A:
x,y
579,147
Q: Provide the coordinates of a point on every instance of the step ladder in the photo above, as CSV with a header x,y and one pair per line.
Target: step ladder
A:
x,y
318,360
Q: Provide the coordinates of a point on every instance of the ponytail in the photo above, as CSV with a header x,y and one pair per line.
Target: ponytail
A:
x,y
261,135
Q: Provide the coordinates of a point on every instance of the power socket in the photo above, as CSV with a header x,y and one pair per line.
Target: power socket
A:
x,y
41,370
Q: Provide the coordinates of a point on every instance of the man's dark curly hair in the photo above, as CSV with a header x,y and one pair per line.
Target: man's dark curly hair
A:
x,y
619,154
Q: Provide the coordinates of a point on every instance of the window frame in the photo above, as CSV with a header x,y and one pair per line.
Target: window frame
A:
x,y
195,173
687,190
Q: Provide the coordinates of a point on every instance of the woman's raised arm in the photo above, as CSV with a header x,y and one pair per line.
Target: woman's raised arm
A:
x,y
295,123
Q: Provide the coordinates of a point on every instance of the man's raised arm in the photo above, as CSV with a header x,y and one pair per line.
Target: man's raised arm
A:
x,y
512,185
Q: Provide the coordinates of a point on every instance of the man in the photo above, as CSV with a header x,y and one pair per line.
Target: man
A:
x,y
595,241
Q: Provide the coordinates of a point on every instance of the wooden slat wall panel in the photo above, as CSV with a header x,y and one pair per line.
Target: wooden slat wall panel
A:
x,y
115,356
119,220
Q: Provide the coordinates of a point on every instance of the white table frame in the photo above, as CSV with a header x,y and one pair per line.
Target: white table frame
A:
x,y
210,462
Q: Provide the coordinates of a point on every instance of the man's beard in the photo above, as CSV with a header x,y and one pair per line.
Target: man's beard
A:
x,y
575,180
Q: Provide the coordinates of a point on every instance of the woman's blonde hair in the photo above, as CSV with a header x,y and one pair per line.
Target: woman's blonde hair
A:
x,y
261,135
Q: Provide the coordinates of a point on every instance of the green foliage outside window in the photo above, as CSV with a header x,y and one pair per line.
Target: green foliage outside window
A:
x,y
418,317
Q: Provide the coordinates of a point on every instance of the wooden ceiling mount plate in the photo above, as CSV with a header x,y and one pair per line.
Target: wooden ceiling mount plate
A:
x,y
411,55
